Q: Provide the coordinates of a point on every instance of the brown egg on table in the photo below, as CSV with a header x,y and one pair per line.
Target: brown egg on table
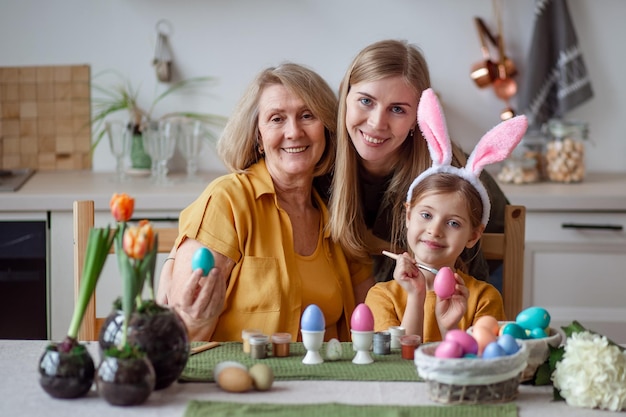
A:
x,y
234,379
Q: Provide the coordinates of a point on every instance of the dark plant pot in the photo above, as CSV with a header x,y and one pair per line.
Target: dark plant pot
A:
x,y
159,332
125,381
66,375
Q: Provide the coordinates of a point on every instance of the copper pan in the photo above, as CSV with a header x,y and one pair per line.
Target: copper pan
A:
x,y
486,71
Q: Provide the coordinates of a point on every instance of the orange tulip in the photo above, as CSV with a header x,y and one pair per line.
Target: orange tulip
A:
x,y
138,240
122,207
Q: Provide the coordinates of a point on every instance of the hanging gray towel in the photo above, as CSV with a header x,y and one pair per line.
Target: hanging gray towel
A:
x,y
556,79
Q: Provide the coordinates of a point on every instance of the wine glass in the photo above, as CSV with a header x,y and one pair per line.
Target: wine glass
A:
x,y
119,141
190,145
160,142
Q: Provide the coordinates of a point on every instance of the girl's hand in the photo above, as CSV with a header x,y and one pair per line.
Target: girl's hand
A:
x,y
449,312
408,275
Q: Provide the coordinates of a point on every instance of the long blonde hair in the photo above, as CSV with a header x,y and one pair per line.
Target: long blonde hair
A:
x,y
383,59
238,144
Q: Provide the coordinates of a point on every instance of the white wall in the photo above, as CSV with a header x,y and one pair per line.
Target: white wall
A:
x,y
234,39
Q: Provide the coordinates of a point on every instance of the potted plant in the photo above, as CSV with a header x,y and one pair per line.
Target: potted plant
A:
x,y
125,375
66,369
122,96
155,330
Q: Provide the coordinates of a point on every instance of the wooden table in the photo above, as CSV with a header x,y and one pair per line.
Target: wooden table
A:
x,y
21,395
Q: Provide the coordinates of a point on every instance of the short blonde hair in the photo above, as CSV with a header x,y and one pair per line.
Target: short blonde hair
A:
x,y
237,145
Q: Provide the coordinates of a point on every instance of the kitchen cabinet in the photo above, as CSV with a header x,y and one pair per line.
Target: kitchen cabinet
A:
x,y
574,267
575,252
50,196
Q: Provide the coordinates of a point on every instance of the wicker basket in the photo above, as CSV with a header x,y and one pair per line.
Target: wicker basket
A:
x,y
470,381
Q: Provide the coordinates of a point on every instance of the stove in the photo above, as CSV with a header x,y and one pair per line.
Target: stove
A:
x,y
12,179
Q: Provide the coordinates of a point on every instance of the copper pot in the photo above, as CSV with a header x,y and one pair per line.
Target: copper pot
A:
x,y
486,71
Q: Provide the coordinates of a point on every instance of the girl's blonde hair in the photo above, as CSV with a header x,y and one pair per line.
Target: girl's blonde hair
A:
x,y
238,144
383,59
443,183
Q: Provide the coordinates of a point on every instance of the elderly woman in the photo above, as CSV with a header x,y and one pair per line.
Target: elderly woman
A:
x,y
265,223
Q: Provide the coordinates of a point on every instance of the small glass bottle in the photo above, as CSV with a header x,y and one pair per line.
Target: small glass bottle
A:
x,y
280,344
565,151
409,343
258,346
382,343
245,338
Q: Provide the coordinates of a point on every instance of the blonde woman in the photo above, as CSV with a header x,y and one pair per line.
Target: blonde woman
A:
x,y
379,152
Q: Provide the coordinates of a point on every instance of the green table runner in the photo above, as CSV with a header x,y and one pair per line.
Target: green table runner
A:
x,y
223,409
385,367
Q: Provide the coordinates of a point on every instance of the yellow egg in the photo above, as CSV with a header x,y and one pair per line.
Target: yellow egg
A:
x,y
234,379
262,376
489,322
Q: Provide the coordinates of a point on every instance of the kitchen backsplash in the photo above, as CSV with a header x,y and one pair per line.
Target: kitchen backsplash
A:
x,y
45,114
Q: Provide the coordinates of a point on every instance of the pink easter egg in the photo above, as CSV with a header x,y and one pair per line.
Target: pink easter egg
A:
x,y
448,349
362,319
465,340
444,283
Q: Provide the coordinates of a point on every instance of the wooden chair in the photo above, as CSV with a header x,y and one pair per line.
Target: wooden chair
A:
x,y
509,247
84,215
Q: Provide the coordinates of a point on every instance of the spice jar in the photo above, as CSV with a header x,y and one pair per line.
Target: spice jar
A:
x,y
382,343
565,152
396,332
245,338
280,344
258,346
409,343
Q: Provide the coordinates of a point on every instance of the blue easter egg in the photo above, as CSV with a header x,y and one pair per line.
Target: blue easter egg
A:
x,y
312,319
493,350
533,317
515,330
508,343
538,333
203,259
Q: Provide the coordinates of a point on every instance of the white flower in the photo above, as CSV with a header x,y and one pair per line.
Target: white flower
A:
x,y
592,373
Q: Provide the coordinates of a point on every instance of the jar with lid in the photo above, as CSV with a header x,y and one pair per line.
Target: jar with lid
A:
x,y
525,164
565,150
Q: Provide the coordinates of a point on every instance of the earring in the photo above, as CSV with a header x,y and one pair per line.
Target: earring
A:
x,y
411,132
261,150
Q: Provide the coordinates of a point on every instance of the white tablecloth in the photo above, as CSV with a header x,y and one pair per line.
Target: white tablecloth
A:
x,y
21,395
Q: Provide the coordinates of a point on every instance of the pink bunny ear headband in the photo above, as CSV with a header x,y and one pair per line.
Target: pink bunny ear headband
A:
x,y
495,146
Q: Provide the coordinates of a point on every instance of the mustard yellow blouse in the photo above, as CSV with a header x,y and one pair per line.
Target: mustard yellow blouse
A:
x,y
238,216
387,300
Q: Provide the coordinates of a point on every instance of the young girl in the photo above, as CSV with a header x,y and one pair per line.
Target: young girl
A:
x,y
447,209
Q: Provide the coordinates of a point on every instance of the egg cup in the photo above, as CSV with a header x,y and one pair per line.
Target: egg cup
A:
x,y
312,341
362,341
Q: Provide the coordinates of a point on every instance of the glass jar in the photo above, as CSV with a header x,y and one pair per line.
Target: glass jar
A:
x,y
565,150
525,165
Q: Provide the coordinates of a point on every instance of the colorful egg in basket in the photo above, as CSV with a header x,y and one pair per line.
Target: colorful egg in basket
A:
x,y
538,350
470,380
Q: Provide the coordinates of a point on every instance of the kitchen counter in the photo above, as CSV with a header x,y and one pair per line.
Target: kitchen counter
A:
x,y
57,190
598,192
